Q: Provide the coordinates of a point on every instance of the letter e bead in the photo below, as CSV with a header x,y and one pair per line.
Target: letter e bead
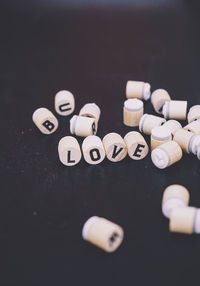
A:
x,y
136,144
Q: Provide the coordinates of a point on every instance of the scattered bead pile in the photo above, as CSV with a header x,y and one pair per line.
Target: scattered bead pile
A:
x,y
168,139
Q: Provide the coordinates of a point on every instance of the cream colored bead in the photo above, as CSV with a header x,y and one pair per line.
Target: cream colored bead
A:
x,y
174,196
194,127
172,125
138,89
93,150
133,111
166,154
188,141
194,113
175,109
159,136
91,110
64,102
115,147
103,233
185,220
45,121
148,122
158,99
69,151
136,144
83,126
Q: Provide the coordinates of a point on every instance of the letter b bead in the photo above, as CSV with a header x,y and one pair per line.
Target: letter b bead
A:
x,y
45,121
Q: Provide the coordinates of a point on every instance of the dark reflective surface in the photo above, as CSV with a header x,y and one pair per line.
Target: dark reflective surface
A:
x,y
92,52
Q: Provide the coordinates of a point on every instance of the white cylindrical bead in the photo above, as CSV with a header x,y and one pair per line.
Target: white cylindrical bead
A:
x,y
149,121
93,150
159,136
158,99
91,110
115,147
83,126
138,89
175,109
103,233
69,151
136,144
133,111
185,220
64,102
174,196
193,126
194,113
172,125
166,154
45,121
188,141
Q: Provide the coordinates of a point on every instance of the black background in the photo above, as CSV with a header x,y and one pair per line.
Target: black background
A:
x,y
91,50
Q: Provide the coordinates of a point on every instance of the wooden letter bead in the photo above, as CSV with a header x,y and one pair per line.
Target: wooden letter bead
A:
x,y
174,196
138,89
185,220
158,99
175,109
64,102
194,113
148,122
172,125
159,136
90,110
166,154
93,150
193,126
136,144
45,121
115,147
69,151
83,126
133,111
188,141
103,233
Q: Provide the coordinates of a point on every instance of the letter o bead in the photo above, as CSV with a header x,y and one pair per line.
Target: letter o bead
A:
x,y
115,147
185,220
93,150
69,151
103,233
45,121
136,144
174,196
64,102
